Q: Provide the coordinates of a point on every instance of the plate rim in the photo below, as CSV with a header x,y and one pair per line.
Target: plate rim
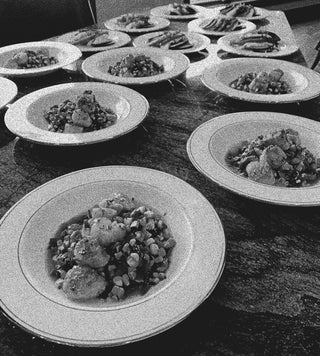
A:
x,y
72,50
96,74
217,227
205,42
206,130
11,91
224,44
227,91
56,139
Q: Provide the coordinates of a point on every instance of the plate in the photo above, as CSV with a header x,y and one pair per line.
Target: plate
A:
x,y
159,23
8,91
120,39
209,143
200,42
261,13
195,26
29,297
284,49
96,66
25,117
163,11
304,82
64,52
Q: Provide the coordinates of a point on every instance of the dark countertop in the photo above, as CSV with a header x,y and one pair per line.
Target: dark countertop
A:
x,y
268,299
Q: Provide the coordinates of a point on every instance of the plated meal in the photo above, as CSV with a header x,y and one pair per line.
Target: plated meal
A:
x,y
132,66
135,66
257,43
114,267
241,10
95,40
266,156
184,42
84,114
76,114
268,83
36,58
220,25
179,11
262,80
276,159
137,23
117,247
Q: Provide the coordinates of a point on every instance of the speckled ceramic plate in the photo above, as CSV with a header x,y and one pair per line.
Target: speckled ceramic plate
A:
x,y
97,66
119,39
158,23
25,117
261,13
303,82
164,11
210,142
199,42
8,91
29,296
284,49
195,26
65,53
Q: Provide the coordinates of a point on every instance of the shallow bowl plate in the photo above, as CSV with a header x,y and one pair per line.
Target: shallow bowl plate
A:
x,y
195,26
64,52
261,13
97,66
29,296
25,117
119,39
303,82
210,142
164,11
284,49
158,23
199,42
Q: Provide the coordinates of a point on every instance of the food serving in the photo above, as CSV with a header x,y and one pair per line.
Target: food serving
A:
x,y
170,40
116,248
83,115
136,66
26,59
239,10
258,41
181,9
91,37
262,83
222,24
276,159
134,21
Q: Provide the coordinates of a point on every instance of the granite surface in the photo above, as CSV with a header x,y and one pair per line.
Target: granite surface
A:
x,y
268,299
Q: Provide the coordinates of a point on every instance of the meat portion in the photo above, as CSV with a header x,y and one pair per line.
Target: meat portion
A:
x,y
89,252
82,282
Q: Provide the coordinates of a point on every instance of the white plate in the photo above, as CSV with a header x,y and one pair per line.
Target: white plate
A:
x,y
120,39
199,42
163,11
159,23
29,297
209,143
284,49
304,82
25,117
8,91
64,52
195,26
97,66
261,13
